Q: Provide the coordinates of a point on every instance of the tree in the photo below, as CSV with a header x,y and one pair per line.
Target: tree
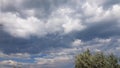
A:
x,y
97,60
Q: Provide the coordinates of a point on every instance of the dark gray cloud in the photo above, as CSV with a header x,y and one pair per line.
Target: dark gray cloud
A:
x,y
42,8
9,44
100,30
110,3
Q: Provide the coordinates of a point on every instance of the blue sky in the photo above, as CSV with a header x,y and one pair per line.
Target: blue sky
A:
x,y
49,33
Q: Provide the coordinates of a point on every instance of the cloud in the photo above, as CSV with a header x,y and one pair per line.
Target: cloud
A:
x,y
9,62
15,55
19,27
63,15
103,15
56,58
52,60
54,31
77,42
62,19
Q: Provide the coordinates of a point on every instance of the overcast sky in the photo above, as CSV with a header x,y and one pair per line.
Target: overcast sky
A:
x,y
49,33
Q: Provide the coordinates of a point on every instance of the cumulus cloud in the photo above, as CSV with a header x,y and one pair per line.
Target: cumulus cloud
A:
x,y
59,21
66,22
77,42
101,14
17,26
62,28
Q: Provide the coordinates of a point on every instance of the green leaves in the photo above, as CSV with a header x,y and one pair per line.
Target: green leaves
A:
x,y
97,60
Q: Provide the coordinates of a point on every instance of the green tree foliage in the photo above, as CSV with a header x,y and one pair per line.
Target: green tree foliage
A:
x,y
97,60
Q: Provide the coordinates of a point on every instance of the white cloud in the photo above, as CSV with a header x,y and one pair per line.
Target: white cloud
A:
x,y
15,55
19,27
12,64
8,62
97,44
115,11
59,22
90,10
61,19
73,26
52,60
103,40
77,42
98,14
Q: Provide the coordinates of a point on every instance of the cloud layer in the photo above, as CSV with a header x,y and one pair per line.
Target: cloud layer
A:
x,y
49,33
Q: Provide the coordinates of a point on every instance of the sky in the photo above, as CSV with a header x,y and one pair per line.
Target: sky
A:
x,y
50,33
